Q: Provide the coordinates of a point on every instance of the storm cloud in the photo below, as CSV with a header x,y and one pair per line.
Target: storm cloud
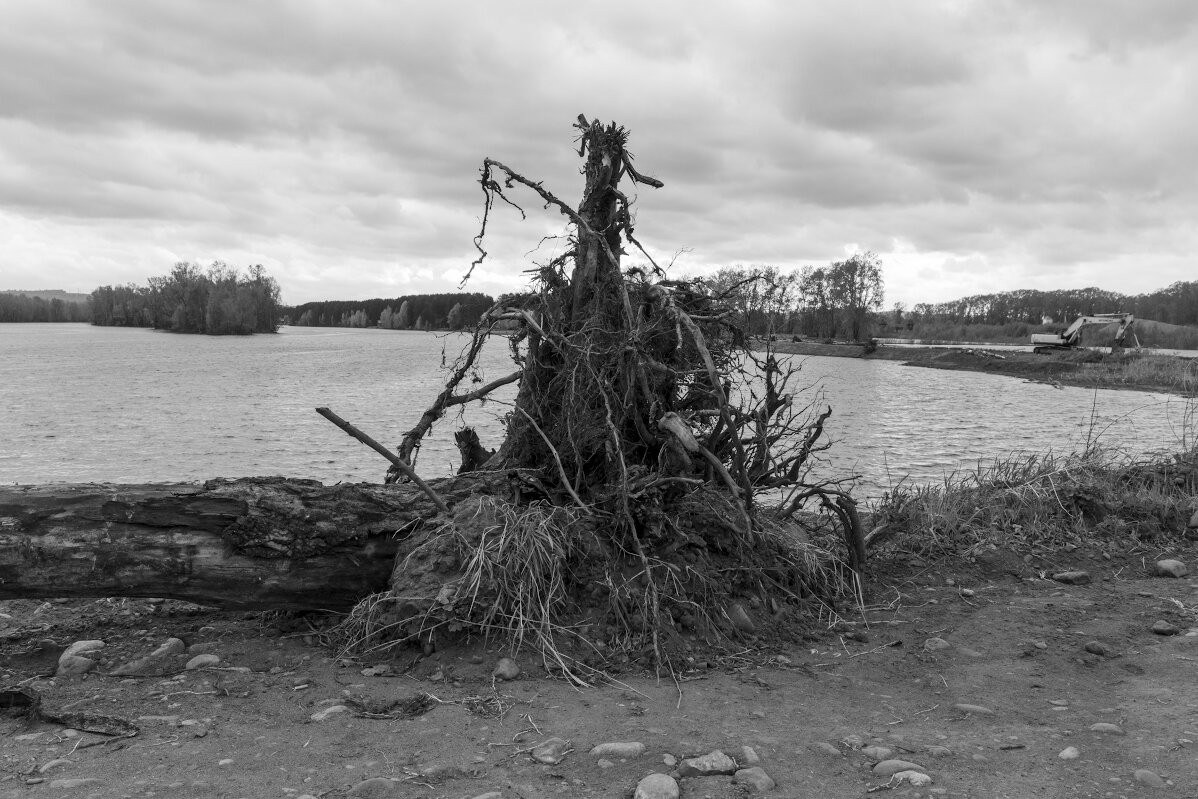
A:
x,y
975,146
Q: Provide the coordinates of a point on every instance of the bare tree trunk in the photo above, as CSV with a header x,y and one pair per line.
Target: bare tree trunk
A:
x,y
575,385
258,543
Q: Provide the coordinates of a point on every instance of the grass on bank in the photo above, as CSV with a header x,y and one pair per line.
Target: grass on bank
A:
x,y
1043,503
1141,368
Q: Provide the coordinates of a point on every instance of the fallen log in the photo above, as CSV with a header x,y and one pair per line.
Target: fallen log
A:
x,y
253,543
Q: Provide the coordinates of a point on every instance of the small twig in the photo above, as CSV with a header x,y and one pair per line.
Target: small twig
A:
x,y
560,469
876,649
396,461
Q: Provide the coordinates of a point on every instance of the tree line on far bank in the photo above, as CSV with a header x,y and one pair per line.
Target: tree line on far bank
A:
x,y
409,312
217,301
44,306
844,300
1015,315
839,300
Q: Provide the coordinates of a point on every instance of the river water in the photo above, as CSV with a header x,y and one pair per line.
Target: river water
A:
x,y
128,405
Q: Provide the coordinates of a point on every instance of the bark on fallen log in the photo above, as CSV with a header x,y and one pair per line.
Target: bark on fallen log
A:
x,y
254,543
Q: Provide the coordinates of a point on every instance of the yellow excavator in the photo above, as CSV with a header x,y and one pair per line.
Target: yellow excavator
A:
x,y
1072,337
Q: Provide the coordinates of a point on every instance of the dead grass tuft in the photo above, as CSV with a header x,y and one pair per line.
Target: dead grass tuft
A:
x,y
544,577
1037,502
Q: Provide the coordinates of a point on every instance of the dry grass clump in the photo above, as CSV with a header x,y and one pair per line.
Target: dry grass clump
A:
x,y
543,577
1043,502
516,567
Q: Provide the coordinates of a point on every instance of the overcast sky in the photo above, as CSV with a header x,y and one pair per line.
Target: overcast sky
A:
x,y
975,146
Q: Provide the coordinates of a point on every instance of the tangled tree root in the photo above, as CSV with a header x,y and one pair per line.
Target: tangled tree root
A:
x,y
547,578
642,440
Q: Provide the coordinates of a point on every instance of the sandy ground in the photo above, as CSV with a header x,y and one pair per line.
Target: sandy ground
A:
x,y
281,716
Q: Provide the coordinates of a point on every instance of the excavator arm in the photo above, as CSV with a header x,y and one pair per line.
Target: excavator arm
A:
x,y
1073,334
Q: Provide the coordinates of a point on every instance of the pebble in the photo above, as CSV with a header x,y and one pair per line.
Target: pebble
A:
x,y
154,663
916,778
1163,627
374,788
1103,726
1099,648
1194,520
77,782
975,710
1149,778
173,646
656,786
890,767
202,661
73,665
1170,568
80,647
490,795
506,669
714,762
1076,577
740,618
826,748
53,764
755,777
934,644
939,751
748,756
877,753
551,752
1069,753
331,710
622,749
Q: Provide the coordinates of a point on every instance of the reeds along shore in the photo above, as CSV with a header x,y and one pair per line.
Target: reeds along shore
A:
x,y
1046,503
1176,375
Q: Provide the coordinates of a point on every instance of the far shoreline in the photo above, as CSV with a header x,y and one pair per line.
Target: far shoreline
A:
x,y
1129,370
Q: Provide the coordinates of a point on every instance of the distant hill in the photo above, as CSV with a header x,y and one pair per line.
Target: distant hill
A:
x,y
49,294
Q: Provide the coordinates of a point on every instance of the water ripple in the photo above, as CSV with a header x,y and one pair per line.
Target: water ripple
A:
x,y
127,405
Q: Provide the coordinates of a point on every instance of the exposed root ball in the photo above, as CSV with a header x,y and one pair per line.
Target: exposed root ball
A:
x,y
545,577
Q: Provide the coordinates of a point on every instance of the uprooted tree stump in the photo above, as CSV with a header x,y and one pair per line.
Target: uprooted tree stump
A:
x,y
642,444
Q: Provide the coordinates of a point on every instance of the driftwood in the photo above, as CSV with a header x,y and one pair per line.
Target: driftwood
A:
x,y
255,543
